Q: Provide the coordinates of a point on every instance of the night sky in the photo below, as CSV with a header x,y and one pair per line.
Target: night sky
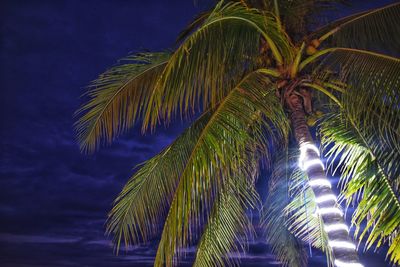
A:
x,y
54,200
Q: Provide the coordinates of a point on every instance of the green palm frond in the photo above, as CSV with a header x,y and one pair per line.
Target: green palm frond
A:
x,y
288,249
371,102
355,63
216,158
377,121
371,88
373,29
118,98
363,64
365,179
144,201
211,60
302,220
228,227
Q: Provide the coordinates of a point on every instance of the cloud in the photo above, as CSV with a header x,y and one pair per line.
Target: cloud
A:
x,y
21,239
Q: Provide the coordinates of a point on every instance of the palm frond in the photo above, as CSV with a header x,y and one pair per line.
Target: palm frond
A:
x,y
372,83
143,203
212,60
228,227
365,178
302,221
288,249
216,157
118,98
375,29
198,160
372,100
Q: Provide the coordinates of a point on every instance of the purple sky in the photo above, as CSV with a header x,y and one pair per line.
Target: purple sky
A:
x,y
53,200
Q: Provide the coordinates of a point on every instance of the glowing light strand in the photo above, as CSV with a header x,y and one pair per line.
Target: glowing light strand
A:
x,y
323,182
308,146
342,244
340,263
303,152
320,182
309,163
326,211
336,227
325,198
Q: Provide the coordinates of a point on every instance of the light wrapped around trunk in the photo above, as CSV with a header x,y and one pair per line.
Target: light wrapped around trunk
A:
x,y
328,206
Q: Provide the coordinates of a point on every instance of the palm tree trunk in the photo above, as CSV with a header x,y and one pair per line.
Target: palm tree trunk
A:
x,y
343,248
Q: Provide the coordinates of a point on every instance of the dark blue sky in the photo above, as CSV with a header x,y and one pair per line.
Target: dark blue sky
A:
x,y
53,200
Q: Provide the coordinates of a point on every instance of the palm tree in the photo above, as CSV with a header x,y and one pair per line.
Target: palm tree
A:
x,y
253,78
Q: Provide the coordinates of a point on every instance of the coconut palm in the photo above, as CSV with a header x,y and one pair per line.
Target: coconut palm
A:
x,y
253,77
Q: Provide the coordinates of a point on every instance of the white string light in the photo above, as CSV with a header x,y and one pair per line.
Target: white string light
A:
x,y
323,182
340,263
336,227
342,244
303,152
308,146
320,182
325,211
312,162
325,198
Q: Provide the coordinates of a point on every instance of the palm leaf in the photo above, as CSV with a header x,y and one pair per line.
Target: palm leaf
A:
x,y
216,157
302,221
228,227
371,88
284,245
144,201
371,100
373,29
118,98
212,60
365,179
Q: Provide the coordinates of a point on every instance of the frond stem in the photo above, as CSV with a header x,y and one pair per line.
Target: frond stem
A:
x,y
334,87
271,72
353,50
295,66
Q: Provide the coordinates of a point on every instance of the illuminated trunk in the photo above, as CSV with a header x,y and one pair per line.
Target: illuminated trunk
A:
x,y
344,250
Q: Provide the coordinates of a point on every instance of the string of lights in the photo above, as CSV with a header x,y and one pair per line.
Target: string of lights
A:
x,y
327,204
339,263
